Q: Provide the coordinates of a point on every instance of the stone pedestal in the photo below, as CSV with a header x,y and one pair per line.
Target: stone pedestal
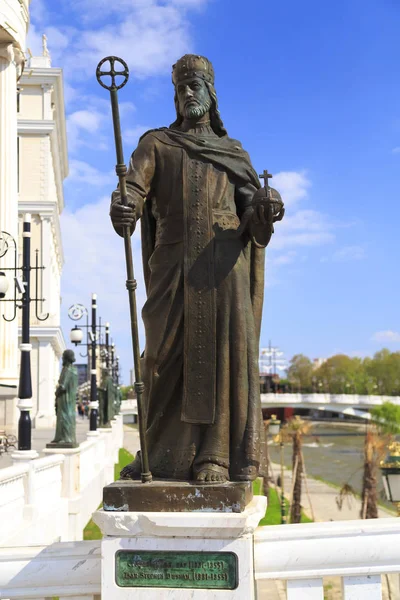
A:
x,y
21,456
179,555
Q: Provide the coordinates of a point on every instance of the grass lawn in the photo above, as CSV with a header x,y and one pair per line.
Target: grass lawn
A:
x,y
91,531
273,512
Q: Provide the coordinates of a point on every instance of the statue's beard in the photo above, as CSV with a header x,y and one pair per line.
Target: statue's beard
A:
x,y
196,111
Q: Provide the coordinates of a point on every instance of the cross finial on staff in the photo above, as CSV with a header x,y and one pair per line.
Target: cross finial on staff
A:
x,y
265,175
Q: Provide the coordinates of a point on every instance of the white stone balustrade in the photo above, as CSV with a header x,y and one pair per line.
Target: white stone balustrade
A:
x,y
357,551
51,499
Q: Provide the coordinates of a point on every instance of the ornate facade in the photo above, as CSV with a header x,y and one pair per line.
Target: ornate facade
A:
x,y
33,165
14,22
43,165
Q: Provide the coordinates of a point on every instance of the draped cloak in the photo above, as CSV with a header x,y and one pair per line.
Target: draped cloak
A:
x,y
66,406
202,316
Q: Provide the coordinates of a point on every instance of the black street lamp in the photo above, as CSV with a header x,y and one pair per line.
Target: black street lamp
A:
x,y
23,286
76,312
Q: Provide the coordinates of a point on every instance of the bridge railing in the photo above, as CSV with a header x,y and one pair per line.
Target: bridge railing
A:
x,y
360,552
320,399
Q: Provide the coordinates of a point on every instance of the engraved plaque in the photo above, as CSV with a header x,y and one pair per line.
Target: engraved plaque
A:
x,y
153,568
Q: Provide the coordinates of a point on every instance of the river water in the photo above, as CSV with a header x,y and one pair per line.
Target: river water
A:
x,y
333,453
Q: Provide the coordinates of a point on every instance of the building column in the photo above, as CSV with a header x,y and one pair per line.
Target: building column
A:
x,y
11,63
45,402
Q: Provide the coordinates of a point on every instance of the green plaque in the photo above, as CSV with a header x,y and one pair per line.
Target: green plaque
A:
x,y
153,568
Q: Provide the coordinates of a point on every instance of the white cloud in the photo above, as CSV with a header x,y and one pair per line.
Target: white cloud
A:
x,y
80,125
292,185
34,41
303,228
70,93
284,259
95,262
149,34
132,135
396,150
80,171
349,253
126,108
387,336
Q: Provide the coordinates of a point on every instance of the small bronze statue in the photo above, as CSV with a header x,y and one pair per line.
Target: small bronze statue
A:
x,y
107,393
66,404
205,222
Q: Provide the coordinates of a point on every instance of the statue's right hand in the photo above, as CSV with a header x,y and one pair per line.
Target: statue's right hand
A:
x,y
122,216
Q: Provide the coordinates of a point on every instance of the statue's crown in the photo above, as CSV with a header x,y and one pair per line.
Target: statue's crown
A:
x,y
192,65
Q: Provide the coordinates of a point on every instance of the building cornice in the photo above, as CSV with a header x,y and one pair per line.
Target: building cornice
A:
x,y
35,127
14,20
54,335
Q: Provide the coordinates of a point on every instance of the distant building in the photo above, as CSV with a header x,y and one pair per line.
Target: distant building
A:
x,y
82,373
317,362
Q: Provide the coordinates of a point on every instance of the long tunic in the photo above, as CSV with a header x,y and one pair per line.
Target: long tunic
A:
x,y
66,406
203,308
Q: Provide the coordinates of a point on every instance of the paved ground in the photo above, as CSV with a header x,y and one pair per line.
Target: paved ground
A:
x,y
131,439
41,437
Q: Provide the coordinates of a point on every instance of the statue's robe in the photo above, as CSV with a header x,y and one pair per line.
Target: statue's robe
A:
x,y
202,316
106,394
66,406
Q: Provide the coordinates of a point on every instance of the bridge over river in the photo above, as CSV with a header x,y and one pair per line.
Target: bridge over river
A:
x,y
350,404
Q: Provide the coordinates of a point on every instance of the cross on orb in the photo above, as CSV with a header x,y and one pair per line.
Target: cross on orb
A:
x,y
265,175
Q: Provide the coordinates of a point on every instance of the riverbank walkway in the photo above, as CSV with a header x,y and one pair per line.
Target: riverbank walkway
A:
x,y
320,503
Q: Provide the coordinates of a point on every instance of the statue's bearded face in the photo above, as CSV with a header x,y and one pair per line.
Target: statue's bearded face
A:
x,y
193,98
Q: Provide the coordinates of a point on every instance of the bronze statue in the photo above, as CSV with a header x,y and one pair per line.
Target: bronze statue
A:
x,y
66,404
205,222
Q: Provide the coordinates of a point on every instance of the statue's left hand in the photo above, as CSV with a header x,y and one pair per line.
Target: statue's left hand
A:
x,y
267,210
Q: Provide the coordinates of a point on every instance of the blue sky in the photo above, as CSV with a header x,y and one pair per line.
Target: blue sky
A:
x,y
312,91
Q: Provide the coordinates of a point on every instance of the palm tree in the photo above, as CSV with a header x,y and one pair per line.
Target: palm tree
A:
x,y
294,431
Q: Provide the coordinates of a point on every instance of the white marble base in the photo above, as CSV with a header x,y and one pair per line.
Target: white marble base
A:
x,y
21,456
194,531
92,434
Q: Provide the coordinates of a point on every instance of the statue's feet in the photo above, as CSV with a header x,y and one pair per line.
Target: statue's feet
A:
x,y
211,473
130,472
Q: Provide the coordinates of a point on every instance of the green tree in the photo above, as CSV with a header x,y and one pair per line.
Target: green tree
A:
x,y
300,372
384,370
387,418
125,390
342,374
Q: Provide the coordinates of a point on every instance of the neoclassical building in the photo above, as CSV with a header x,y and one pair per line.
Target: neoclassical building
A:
x,y
43,166
14,22
37,165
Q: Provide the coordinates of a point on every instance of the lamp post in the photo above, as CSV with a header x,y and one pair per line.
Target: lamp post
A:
x,y
390,469
76,312
23,286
